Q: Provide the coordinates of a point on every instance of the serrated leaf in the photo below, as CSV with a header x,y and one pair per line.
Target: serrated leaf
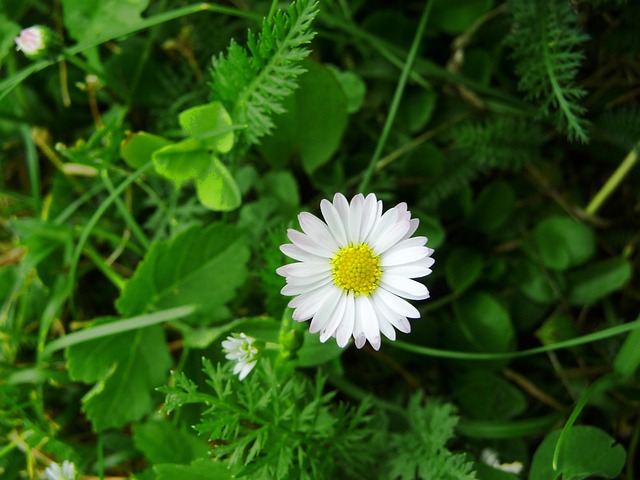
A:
x,y
163,442
211,124
217,189
91,19
127,367
137,149
201,266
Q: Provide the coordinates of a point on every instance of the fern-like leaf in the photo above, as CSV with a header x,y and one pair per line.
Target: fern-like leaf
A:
x,y
545,39
252,82
620,127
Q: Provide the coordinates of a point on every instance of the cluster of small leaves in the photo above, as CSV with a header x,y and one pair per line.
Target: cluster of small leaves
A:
x,y
275,428
422,452
545,38
252,83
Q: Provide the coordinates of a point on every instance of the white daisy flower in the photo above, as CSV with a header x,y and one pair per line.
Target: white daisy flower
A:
x,y
490,457
353,270
56,472
31,40
240,348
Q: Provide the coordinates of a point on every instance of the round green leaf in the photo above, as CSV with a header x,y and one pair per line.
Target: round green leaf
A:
x,y
312,127
483,395
482,324
431,228
594,282
493,207
211,124
314,353
217,189
456,17
182,161
137,149
463,268
563,242
587,451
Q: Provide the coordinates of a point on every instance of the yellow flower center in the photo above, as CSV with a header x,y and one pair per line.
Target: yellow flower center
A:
x,y
356,269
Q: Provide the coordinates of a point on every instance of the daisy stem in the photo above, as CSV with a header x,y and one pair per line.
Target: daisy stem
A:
x,y
397,96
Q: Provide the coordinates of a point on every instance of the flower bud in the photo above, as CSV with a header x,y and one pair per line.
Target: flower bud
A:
x,y
38,42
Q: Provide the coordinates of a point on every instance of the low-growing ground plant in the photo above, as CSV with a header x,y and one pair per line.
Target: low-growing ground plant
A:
x,y
319,239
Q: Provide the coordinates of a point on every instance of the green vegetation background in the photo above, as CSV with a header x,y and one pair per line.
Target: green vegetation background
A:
x,y
153,158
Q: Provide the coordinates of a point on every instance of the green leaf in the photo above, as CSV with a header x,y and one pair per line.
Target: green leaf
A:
x,y
201,266
594,282
217,188
92,19
482,324
202,469
483,395
137,149
211,124
628,358
463,268
587,451
314,122
493,207
456,17
182,161
563,242
314,353
127,367
353,86
557,328
163,442
8,31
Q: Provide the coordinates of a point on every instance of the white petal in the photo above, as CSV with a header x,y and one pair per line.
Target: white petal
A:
x,y
317,230
393,317
305,269
396,304
307,304
345,329
389,238
366,314
342,207
308,244
355,218
334,221
411,270
335,319
382,225
295,252
403,213
310,280
404,287
296,289
386,328
369,210
412,229
324,312
399,256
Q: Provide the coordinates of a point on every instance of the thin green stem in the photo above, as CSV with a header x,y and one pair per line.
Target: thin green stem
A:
x,y
126,214
574,342
108,272
602,382
272,10
33,168
397,96
612,183
86,231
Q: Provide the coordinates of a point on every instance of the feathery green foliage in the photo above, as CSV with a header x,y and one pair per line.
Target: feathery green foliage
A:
x,y
422,452
545,39
278,428
502,143
251,82
620,127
